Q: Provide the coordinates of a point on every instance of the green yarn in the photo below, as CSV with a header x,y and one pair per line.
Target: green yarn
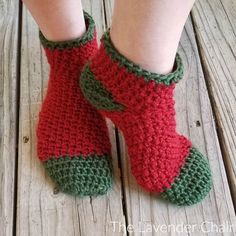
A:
x,y
168,79
88,36
95,93
81,176
193,183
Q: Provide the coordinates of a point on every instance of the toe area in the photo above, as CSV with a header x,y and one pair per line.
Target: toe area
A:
x,y
193,183
81,176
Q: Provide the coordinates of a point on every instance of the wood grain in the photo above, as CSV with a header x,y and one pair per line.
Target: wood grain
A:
x,y
195,120
8,103
41,209
215,25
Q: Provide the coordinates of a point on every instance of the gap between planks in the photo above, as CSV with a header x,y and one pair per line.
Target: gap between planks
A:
x,y
215,24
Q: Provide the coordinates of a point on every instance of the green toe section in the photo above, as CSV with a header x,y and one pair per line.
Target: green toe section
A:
x,y
81,176
193,183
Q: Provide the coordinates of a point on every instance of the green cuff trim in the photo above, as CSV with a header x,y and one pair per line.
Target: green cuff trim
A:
x,y
88,36
79,175
193,183
96,94
168,79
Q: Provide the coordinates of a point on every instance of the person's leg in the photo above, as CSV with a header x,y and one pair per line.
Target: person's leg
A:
x,y
131,80
59,20
148,32
72,137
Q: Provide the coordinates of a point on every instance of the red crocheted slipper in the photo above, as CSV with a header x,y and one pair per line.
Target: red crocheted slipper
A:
x,y
141,104
73,141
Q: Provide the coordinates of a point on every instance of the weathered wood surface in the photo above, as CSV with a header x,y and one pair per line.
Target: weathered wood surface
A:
x,y
215,24
8,103
195,120
41,210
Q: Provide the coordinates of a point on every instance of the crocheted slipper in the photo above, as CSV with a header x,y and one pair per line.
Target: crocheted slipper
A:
x,y
141,104
73,141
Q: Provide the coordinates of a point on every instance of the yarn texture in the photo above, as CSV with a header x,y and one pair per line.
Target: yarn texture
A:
x,y
193,183
81,175
73,141
141,104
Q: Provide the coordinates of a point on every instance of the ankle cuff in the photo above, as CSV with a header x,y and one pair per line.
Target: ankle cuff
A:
x,y
167,79
88,36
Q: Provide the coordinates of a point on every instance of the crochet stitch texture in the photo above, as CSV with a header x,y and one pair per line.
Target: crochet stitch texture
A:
x,y
73,141
141,104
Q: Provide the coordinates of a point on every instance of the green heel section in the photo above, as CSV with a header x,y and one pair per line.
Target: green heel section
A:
x,y
193,183
81,176
95,93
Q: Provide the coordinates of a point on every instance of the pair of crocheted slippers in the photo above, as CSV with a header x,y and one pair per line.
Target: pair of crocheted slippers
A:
x,y
88,84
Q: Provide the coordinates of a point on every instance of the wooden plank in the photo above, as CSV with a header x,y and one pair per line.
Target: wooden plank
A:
x,y
215,25
8,119
195,120
41,209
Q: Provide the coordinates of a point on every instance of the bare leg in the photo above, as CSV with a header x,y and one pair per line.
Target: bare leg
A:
x,y
148,32
58,20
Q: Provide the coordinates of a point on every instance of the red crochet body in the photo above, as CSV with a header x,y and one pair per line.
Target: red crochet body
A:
x,y
68,124
147,121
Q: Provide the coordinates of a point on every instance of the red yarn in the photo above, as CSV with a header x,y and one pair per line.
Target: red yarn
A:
x,y
148,123
68,125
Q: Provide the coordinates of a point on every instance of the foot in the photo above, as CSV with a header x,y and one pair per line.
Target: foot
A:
x,y
141,104
73,141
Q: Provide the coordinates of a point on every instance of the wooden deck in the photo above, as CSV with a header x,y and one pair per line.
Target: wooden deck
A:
x,y
206,111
